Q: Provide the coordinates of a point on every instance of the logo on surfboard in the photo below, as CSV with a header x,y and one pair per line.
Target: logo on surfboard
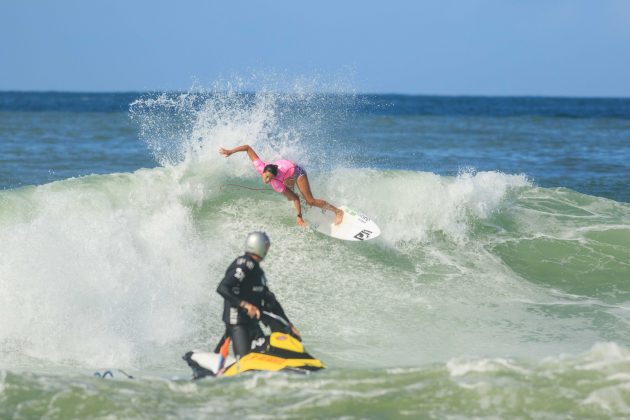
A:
x,y
363,235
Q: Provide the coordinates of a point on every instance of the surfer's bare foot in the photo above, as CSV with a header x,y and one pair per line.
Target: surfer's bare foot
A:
x,y
338,216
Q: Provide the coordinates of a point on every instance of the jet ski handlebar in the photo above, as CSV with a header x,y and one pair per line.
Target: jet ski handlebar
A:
x,y
277,318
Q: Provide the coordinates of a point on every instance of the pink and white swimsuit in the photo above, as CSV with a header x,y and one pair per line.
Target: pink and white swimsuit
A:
x,y
286,170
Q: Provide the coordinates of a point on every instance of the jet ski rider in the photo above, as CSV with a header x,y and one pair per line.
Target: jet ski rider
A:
x,y
245,291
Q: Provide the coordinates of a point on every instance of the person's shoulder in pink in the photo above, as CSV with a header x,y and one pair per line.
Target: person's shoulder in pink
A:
x,y
285,170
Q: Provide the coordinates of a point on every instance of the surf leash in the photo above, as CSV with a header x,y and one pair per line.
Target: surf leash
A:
x,y
104,374
245,187
110,374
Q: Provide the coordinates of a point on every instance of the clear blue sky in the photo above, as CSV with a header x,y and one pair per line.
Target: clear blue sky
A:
x,y
452,47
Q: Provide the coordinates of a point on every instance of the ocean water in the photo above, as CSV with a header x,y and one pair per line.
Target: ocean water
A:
x,y
499,288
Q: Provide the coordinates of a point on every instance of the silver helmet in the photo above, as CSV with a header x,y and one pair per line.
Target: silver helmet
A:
x,y
257,243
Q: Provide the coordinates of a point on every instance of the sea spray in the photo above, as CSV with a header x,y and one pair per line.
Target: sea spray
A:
x,y
300,123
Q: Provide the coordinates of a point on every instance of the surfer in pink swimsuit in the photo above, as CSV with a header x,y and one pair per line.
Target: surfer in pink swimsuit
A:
x,y
283,175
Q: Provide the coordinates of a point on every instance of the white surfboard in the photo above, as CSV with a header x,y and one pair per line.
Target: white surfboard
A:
x,y
355,226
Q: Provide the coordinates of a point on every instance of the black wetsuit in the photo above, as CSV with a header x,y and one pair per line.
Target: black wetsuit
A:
x,y
245,281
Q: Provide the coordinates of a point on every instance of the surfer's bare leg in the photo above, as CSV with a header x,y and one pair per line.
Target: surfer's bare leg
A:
x,y
305,189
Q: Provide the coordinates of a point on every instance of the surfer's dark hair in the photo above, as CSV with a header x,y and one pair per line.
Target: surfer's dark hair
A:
x,y
273,169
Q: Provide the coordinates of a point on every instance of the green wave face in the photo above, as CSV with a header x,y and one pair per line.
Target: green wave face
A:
x,y
570,242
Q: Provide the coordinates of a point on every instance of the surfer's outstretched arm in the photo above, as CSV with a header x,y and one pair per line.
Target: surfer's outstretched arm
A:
x,y
244,148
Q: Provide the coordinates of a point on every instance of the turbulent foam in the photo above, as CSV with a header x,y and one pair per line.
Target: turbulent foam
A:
x,y
99,265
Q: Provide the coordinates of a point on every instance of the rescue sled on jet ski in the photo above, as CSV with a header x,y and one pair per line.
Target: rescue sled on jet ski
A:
x,y
277,349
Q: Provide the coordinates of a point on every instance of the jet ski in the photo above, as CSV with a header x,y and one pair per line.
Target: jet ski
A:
x,y
276,349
